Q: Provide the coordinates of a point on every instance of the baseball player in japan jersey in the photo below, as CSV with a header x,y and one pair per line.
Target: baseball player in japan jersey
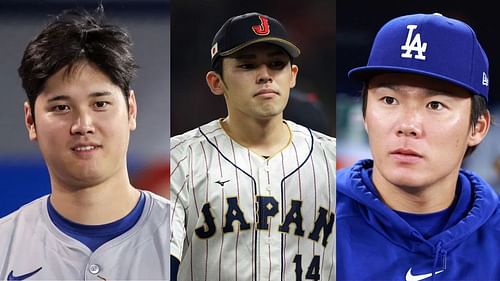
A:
x,y
94,225
253,195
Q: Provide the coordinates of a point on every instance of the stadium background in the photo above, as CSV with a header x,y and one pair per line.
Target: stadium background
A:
x,y
23,175
357,25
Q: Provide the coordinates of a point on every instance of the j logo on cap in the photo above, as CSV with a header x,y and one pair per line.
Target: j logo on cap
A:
x,y
263,28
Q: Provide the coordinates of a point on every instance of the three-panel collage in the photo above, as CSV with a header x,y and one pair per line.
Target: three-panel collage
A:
x,y
231,140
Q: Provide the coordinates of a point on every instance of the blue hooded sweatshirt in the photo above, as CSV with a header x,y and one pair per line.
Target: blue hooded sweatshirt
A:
x,y
375,243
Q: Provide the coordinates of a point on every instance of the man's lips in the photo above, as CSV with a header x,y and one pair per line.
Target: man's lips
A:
x,y
266,93
85,147
406,151
406,155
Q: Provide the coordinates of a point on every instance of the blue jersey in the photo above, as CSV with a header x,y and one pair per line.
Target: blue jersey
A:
x,y
375,243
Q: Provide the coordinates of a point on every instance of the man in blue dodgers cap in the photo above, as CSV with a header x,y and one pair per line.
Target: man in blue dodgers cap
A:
x,y
411,213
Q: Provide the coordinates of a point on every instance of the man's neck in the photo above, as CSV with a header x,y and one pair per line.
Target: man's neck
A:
x,y
102,203
417,199
264,137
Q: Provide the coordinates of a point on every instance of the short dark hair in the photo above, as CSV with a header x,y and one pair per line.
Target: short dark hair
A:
x,y
71,37
217,66
479,107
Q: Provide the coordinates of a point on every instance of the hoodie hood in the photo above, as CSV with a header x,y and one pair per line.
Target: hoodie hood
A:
x,y
477,196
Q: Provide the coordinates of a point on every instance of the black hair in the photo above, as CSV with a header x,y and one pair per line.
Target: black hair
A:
x,y
479,108
71,37
217,65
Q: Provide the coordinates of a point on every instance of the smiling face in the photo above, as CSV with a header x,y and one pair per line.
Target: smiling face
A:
x,y
82,126
418,129
256,81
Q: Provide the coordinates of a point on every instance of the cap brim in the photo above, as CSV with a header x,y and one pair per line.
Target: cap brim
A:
x,y
290,48
363,74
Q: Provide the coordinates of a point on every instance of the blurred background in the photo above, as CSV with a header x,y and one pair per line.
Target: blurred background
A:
x,y
23,173
357,25
310,24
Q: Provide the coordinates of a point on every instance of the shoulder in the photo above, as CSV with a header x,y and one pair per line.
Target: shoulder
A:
x,y
157,201
344,184
495,219
181,142
24,217
156,213
343,175
299,131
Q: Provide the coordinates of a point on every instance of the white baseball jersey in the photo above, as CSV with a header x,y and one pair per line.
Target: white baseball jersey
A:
x,y
33,248
239,216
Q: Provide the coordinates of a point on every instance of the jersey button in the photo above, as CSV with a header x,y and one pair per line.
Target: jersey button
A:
x,y
268,187
94,268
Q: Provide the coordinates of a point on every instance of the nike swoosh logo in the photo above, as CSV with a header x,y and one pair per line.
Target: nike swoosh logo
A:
x,y
11,276
411,277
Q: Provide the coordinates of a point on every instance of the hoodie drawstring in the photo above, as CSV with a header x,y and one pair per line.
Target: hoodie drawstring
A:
x,y
440,255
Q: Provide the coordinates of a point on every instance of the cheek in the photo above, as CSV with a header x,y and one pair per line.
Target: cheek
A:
x,y
456,135
51,129
118,122
378,122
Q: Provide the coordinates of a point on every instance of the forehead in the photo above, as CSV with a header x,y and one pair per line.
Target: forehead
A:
x,y
266,49
82,69
80,76
432,86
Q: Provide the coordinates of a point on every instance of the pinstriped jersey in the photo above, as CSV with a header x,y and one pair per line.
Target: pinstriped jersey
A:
x,y
238,216
33,248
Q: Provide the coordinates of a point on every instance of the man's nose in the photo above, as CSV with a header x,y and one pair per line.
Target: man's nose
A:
x,y
410,124
263,74
82,124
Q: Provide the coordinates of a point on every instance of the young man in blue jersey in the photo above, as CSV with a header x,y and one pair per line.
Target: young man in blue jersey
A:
x,y
411,213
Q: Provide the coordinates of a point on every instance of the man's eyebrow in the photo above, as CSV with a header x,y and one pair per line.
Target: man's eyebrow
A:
x,y
437,92
101,94
245,56
275,53
428,91
66,97
58,97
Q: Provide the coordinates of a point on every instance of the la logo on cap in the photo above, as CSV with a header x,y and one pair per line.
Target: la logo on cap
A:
x,y
414,44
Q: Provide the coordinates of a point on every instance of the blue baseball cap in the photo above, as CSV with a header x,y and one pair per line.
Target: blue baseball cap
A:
x,y
431,45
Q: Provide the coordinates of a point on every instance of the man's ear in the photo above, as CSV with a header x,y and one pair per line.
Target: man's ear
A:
x,y
293,78
215,83
481,128
29,122
132,110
